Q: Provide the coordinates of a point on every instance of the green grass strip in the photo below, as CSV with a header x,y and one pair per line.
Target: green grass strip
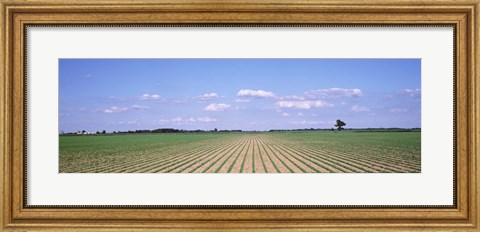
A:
x,y
165,162
233,146
213,163
284,164
184,168
188,159
306,164
261,158
329,159
244,158
335,161
271,160
253,157
385,164
174,160
234,161
377,162
192,158
314,157
221,165
296,165
180,160
340,158
320,165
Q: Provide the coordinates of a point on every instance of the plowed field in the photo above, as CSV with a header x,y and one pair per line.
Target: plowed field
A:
x,y
265,152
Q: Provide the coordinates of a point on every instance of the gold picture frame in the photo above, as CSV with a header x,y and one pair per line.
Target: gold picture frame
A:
x,y
17,14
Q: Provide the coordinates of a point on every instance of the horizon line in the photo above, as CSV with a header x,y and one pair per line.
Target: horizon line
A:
x,y
240,130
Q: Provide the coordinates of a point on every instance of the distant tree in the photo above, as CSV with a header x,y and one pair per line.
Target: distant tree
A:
x,y
98,132
83,131
340,124
333,129
104,132
215,129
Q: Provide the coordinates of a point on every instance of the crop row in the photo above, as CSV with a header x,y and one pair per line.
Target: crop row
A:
x,y
247,153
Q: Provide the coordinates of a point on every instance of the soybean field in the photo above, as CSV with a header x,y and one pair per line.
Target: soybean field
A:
x,y
243,152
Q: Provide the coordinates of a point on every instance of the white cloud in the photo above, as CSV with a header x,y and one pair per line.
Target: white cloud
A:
x,y
129,122
115,109
207,96
255,93
300,114
242,100
293,97
398,110
163,121
177,120
150,97
330,93
139,107
177,101
285,114
206,119
303,104
117,99
305,122
411,92
357,108
186,120
217,107
333,93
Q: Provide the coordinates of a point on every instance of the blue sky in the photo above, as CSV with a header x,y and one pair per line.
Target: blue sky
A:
x,y
246,94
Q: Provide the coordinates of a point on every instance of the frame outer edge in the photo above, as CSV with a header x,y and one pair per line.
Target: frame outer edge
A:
x,y
6,116
475,58
17,129
5,181
473,115
268,2
464,110
2,114
5,97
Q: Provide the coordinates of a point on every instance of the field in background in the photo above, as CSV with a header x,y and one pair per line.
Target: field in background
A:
x,y
255,152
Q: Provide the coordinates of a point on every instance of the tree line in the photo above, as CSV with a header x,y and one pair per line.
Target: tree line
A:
x,y
340,125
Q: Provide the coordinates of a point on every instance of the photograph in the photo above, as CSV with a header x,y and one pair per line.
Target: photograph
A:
x,y
248,115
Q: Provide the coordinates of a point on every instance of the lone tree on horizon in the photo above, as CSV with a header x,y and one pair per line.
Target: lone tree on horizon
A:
x,y
340,124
